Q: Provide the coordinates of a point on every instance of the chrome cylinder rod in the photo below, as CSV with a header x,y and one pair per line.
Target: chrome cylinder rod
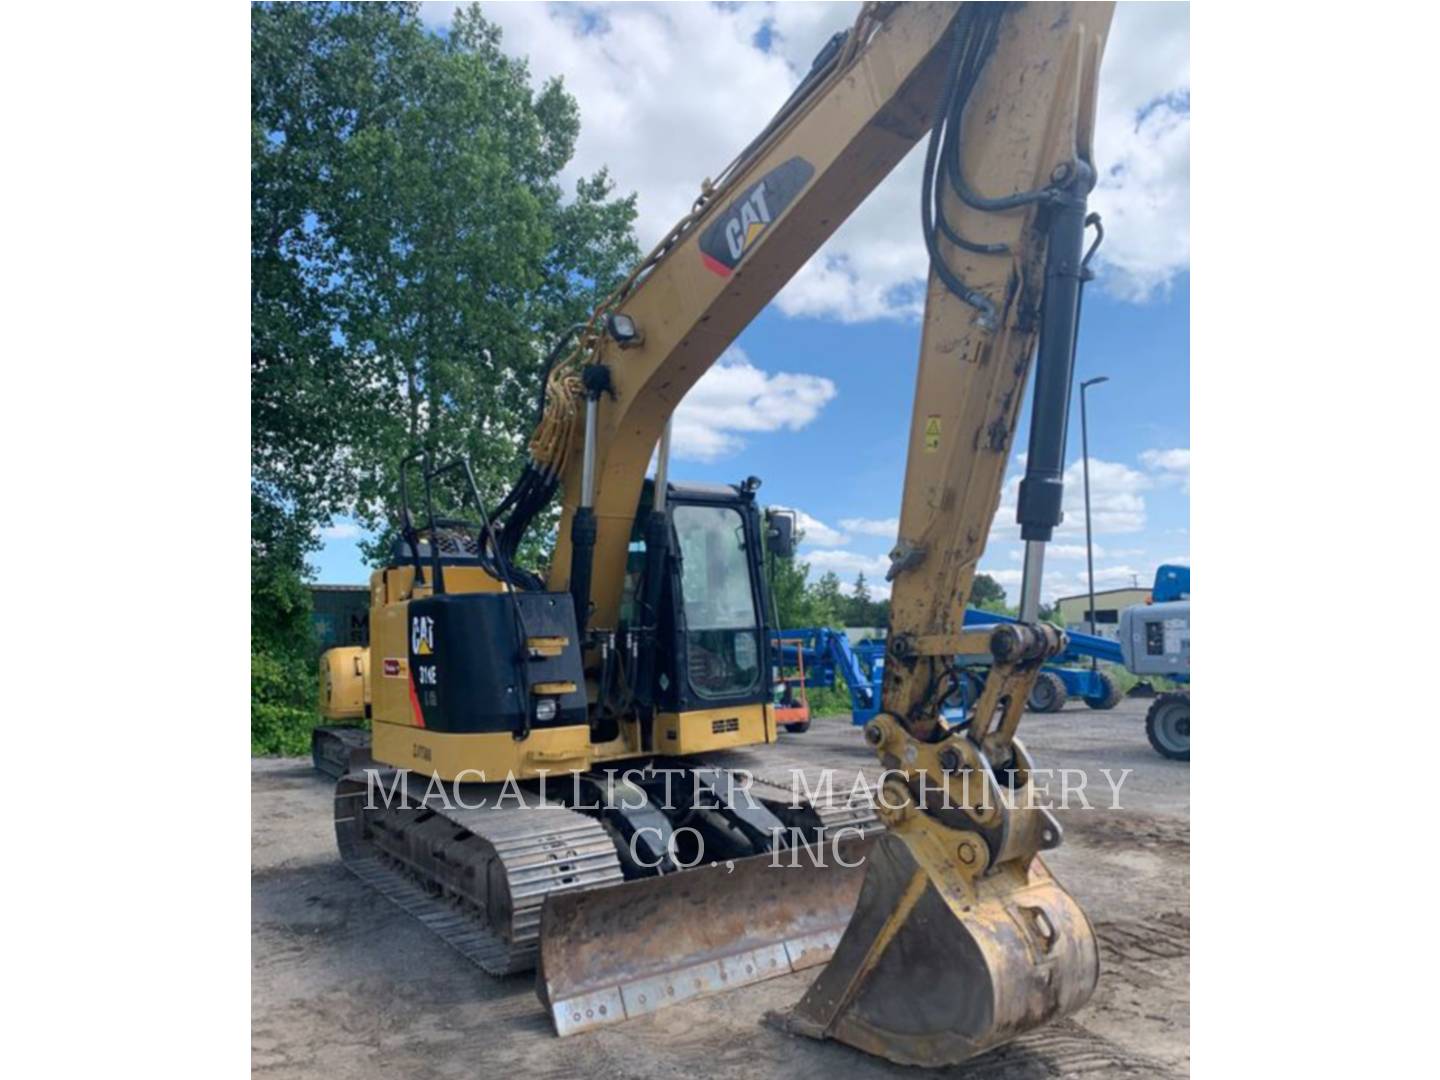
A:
x,y
587,468
662,468
1030,582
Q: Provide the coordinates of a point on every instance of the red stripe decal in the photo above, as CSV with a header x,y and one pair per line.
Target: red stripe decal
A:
x,y
415,704
715,265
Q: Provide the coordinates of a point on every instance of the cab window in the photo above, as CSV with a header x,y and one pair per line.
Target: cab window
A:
x,y
721,624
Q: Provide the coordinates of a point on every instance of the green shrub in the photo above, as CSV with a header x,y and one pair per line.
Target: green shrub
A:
x,y
280,730
282,704
1126,680
829,700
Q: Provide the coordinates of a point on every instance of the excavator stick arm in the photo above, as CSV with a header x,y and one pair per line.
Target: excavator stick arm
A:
x,y
961,939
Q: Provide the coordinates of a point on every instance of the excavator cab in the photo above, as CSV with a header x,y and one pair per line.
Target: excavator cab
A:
x,y
693,630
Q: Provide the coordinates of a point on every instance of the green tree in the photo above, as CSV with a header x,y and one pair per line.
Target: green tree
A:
x,y
413,258
860,608
788,592
413,253
828,600
880,613
987,595
792,596
282,683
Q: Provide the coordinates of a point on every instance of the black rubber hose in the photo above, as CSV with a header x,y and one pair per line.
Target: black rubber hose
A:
x,y
952,282
987,33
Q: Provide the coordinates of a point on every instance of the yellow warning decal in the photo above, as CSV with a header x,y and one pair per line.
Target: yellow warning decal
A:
x,y
932,434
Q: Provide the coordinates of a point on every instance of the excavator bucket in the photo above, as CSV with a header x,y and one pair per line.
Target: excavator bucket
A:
x,y
611,954
931,973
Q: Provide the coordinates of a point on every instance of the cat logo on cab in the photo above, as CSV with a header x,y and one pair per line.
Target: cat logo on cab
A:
x,y
422,635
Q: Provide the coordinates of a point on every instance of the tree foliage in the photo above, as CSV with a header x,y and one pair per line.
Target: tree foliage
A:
x,y
863,610
413,256
987,595
413,251
823,602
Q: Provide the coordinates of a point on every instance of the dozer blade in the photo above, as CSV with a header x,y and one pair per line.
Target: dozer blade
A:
x,y
611,954
928,974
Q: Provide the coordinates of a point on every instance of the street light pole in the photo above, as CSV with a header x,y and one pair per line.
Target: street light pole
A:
x,y
1085,465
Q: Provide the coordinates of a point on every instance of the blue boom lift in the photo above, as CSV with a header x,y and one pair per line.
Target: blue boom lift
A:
x,y
825,652
1154,640
1058,683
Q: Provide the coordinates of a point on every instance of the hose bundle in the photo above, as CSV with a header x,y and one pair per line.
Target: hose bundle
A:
x,y
974,35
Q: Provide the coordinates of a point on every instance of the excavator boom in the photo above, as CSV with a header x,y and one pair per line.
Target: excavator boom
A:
x,y
870,98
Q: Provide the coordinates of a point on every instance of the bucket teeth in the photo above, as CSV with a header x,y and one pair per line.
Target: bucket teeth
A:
x,y
932,971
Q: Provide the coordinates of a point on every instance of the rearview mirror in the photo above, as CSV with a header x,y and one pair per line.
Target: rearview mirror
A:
x,y
780,532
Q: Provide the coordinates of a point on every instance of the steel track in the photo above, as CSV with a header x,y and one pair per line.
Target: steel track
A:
x,y
478,878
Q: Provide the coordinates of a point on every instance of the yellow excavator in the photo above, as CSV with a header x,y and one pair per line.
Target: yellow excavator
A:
x,y
571,772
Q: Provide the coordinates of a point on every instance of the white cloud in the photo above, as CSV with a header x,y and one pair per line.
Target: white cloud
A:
x,y
1117,507
1070,551
1166,460
669,93
1119,576
814,530
1077,552
848,563
1142,149
875,264
885,528
1169,466
1075,583
341,530
1116,504
1009,578
735,397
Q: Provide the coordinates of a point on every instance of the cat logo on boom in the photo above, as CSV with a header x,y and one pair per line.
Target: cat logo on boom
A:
x,y
734,232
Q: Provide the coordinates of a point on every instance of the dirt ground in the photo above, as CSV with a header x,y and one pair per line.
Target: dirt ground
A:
x,y
347,985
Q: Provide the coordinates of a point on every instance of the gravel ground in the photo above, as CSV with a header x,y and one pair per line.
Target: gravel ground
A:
x,y
346,985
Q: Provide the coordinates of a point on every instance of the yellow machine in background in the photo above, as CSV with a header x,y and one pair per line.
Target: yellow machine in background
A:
x,y
647,641
345,683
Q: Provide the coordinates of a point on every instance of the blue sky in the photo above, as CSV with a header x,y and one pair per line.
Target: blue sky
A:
x,y
814,396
